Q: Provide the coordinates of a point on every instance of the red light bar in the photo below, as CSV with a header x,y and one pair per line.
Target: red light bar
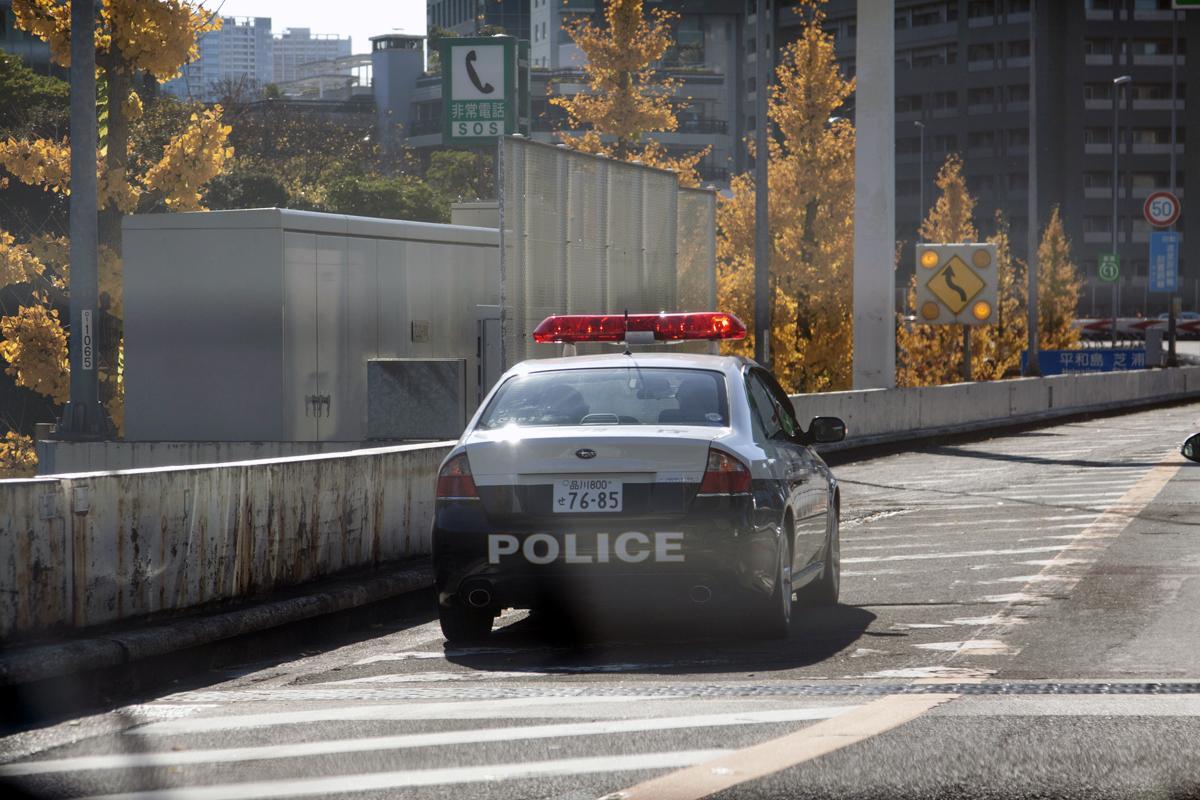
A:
x,y
700,325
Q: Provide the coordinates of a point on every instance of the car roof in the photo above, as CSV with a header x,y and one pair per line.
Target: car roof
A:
x,y
620,359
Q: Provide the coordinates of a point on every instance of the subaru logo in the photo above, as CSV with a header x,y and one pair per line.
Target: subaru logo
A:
x,y
585,452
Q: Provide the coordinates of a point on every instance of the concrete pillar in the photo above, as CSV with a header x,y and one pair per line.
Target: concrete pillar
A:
x,y
875,198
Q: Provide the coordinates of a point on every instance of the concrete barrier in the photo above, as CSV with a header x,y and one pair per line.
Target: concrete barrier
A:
x,y
88,549
889,415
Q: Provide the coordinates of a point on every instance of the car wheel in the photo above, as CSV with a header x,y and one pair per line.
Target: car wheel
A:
x,y
462,624
776,619
824,590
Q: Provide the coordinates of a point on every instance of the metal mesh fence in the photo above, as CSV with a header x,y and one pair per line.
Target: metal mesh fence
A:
x,y
587,235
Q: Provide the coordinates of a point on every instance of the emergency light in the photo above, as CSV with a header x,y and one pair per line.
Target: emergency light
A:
x,y
646,328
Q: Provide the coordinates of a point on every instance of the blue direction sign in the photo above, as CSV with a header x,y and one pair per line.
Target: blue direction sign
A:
x,y
1164,261
1067,362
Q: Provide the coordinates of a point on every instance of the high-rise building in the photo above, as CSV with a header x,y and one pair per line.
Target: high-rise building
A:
x,y
298,46
707,59
240,50
473,17
963,82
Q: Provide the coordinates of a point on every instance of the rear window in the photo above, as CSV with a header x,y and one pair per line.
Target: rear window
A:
x,y
610,396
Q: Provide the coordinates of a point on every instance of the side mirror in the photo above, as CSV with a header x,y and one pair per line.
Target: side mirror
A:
x,y
1191,447
826,430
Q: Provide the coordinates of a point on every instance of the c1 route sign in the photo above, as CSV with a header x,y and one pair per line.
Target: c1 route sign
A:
x,y
1161,209
1110,266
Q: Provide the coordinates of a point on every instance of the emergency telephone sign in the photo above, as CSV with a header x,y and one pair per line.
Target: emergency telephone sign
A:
x,y
479,88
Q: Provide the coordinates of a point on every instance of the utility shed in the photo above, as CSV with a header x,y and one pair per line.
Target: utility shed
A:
x,y
258,325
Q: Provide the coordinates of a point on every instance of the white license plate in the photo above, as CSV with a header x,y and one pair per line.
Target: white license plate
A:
x,y
587,495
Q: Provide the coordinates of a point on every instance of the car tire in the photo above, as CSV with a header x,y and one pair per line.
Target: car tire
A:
x,y
465,625
775,620
825,589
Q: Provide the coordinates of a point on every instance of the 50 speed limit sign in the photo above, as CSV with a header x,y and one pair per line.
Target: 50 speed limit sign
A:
x,y
1161,209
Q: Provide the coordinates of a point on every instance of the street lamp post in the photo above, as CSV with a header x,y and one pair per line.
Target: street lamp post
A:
x,y
921,181
1116,191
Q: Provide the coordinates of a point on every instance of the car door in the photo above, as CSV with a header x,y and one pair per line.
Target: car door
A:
x,y
790,466
802,471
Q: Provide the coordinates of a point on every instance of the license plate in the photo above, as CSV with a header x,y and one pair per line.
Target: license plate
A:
x,y
587,495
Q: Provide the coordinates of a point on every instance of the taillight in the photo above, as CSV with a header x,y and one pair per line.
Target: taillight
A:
x,y
455,481
724,474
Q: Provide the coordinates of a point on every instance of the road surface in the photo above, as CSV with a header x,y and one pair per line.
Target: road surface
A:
x,y
1019,619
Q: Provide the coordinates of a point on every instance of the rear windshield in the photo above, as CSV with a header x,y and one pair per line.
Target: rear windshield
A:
x,y
610,396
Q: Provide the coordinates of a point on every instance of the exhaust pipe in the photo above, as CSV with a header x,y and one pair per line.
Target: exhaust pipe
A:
x,y
479,597
700,594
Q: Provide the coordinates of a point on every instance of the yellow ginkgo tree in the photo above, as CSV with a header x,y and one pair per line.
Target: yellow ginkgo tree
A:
x,y
811,187
627,99
134,39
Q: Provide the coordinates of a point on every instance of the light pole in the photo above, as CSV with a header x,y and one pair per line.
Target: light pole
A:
x,y
921,181
1116,191
762,235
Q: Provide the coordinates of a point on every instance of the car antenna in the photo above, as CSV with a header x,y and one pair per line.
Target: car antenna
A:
x,y
626,343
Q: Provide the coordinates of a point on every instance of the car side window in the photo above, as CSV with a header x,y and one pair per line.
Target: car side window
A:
x,y
787,416
764,406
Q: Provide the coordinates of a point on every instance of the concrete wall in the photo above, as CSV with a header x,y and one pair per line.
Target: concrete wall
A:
x,y
897,414
89,549
56,457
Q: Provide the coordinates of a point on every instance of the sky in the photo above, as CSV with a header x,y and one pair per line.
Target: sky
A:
x,y
359,19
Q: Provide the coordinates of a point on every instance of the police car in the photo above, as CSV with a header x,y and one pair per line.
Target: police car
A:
x,y
642,475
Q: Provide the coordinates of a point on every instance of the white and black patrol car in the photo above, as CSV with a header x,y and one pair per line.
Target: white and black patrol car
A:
x,y
634,475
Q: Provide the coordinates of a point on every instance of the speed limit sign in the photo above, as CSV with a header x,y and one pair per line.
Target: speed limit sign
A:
x,y
1161,209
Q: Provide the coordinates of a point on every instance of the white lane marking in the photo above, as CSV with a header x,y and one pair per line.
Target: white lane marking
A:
x,y
994,619
967,554
774,755
438,739
929,672
376,781
1073,560
407,656
458,709
982,647
1078,497
434,677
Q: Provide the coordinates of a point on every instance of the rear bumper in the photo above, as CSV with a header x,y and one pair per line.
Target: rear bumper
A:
x,y
603,558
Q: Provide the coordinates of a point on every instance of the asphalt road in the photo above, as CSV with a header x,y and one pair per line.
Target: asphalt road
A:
x,y
1020,618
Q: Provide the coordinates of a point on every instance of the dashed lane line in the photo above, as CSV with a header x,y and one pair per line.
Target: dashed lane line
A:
x,y
439,739
380,781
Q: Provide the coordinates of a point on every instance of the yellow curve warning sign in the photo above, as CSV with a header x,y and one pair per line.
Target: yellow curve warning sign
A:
x,y
955,285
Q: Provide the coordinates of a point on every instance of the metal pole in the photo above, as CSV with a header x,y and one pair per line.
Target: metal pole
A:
x,y
762,231
83,417
921,208
1172,358
1031,249
1116,190
875,197
966,364
500,166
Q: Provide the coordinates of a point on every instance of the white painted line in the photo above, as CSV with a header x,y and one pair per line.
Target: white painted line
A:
x,y
458,709
919,673
438,739
433,677
377,781
983,647
734,768
967,554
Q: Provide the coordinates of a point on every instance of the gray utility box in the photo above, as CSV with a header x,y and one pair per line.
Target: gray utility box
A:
x,y
416,398
258,325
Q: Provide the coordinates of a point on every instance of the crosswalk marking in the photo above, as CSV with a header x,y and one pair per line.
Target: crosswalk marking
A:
x,y
377,781
439,739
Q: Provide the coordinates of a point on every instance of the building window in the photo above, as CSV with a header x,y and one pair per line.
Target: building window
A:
x,y
981,8
981,52
1149,180
1154,135
1018,6
1097,135
1018,93
1151,47
981,96
1097,91
1155,91
1099,5
982,140
1018,181
945,143
982,184
908,146
1097,180
908,102
1097,47
1018,137
1018,49
1097,223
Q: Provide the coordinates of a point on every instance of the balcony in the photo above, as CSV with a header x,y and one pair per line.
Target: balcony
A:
x,y
1156,60
702,126
981,66
1156,149
1156,105
1098,59
1097,148
1017,62
1098,104
944,113
1142,192
1017,105
981,108
1099,15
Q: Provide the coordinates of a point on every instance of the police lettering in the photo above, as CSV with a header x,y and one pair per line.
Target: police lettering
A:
x,y
631,547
